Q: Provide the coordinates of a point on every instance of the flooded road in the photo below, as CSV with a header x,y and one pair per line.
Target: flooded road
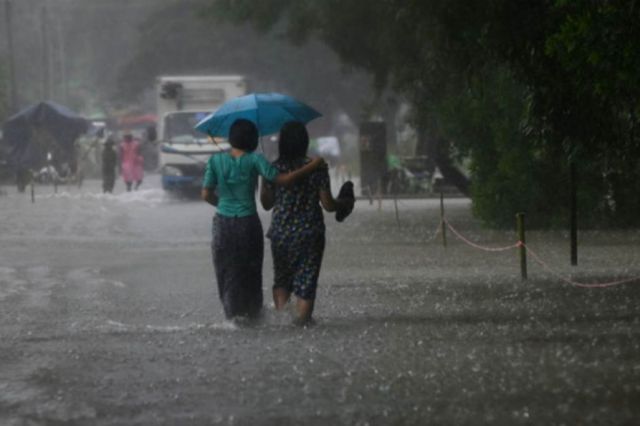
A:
x,y
109,316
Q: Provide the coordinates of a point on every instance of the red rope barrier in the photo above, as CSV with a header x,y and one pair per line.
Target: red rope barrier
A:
x,y
472,244
540,262
546,267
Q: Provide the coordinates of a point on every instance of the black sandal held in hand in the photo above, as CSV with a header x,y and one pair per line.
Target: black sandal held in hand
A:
x,y
346,200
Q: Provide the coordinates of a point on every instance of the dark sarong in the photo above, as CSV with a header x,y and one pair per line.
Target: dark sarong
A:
x,y
109,160
238,249
108,182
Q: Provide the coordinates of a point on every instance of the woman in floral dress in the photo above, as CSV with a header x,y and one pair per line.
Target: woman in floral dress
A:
x,y
297,230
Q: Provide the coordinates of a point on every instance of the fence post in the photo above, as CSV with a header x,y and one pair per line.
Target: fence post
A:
x,y
33,192
379,194
443,229
574,214
522,250
395,202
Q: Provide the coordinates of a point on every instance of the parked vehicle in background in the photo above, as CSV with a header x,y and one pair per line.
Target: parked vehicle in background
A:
x,y
411,175
182,101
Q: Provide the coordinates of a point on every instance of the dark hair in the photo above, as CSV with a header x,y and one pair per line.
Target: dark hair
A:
x,y
293,142
243,135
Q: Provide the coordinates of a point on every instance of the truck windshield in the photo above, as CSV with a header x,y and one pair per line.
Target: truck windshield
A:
x,y
179,127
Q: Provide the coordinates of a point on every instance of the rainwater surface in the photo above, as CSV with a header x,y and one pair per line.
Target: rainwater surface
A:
x,y
109,316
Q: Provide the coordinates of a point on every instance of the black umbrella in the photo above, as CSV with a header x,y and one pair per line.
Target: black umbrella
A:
x,y
61,125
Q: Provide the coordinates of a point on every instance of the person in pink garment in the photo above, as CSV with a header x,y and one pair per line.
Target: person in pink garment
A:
x,y
131,162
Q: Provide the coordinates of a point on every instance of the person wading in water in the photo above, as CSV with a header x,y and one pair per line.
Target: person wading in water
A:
x,y
297,229
237,245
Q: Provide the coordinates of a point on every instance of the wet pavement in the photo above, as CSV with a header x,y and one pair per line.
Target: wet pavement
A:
x,y
109,316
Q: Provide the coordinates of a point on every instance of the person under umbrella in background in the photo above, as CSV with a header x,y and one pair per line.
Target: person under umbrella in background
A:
x,y
109,163
297,229
237,248
131,162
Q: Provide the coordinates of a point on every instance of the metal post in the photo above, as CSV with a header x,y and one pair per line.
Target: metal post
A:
x,y
574,215
395,203
33,192
379,194
443,226
523,249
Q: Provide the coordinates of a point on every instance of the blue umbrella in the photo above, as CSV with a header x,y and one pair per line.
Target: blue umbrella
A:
x,y
268,111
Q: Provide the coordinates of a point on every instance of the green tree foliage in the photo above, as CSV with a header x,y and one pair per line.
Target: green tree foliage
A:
x,y
177,40
578,62
521,88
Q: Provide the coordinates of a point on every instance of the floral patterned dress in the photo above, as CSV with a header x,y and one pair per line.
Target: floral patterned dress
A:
x,y
297,231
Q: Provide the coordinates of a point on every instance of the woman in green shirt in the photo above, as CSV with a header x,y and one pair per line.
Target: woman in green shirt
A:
x,y
237,245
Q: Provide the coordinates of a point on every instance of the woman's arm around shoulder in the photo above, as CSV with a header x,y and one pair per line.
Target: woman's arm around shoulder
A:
x,y
288,179
270,173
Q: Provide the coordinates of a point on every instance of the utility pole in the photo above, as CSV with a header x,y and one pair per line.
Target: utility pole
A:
x,y
13,92
62,63
46,62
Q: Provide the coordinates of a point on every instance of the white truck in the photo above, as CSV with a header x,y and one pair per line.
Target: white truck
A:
x,y
182,101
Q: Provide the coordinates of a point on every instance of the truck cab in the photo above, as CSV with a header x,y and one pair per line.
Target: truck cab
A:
x,y
182,102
